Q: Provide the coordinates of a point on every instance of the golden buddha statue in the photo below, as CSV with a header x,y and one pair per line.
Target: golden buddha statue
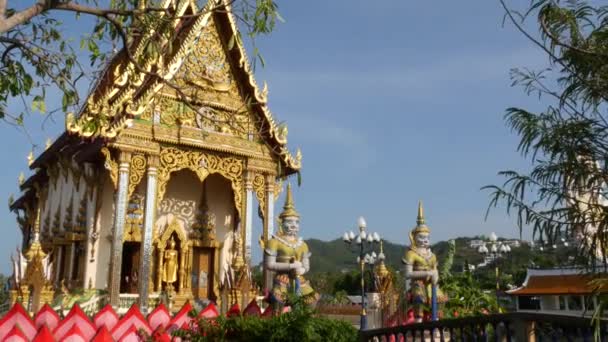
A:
x,y
288,256
170,262
421,268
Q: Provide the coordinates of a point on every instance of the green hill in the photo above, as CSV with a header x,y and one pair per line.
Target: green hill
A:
x,y
337,256
334,262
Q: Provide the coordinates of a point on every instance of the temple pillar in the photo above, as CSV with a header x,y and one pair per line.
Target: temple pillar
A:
x,y
159,278
145,275
269,221
70,266
268,224
119,224
58,268
248,213
89,274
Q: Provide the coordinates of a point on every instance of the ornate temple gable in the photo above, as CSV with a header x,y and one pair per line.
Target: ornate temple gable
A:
x,y
219,82
207,78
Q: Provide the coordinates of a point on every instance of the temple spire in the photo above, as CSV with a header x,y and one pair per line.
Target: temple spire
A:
x,y
420,220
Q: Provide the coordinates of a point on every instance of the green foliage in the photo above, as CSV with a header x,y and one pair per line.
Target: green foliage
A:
x,y
566,143
467,297
37,58
301,324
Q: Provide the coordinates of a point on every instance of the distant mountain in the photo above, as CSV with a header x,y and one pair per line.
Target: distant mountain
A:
x,y
337,256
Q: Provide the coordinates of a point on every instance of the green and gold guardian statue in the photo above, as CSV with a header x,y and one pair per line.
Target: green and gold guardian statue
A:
x,y
421,270
288,256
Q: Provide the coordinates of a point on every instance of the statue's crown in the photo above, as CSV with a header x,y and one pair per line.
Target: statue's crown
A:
x,y
289,209
421,226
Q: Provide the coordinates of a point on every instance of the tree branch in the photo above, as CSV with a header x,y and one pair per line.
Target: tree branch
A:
x,y
3,9
21,17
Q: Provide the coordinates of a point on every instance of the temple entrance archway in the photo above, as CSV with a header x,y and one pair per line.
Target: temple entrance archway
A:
x,y
130,265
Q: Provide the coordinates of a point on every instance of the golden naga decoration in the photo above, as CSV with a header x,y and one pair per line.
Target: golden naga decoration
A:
x,y
259,186
21,178
111,166
137,170
30,158
48,144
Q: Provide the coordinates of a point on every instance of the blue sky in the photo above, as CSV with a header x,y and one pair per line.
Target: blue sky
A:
x,y
390,102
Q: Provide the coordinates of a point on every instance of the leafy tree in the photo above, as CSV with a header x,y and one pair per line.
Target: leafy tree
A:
x,y
38,59
564,194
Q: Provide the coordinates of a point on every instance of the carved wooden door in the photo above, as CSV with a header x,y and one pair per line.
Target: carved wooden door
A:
x,y
202,273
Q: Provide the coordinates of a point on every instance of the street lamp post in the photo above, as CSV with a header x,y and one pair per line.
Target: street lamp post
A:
x,y
361,239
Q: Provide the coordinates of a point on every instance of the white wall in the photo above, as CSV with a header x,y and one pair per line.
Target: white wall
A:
x,y
104,222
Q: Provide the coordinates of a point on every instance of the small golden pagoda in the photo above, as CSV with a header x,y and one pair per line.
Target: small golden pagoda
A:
x,y
146,181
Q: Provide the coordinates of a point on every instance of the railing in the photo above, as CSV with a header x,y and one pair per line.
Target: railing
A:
x,y
512,327
125,301
4,307
93,305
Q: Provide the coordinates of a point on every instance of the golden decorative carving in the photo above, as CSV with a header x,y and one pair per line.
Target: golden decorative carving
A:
x,y
259,186
278,188
173,159
204,225
81,219
57,221
134,220
69,214
136,172
111,166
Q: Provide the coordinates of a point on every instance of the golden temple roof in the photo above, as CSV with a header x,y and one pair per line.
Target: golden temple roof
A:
x,y
125,91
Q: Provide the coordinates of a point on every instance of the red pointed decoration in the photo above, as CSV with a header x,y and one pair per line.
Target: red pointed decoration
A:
x,y
103,335
252,309
234,311
75,335
44,335
76,317
15,335
132,319
130,335
180,318
106,317
47,316
160,335
17,316
159,317
209,312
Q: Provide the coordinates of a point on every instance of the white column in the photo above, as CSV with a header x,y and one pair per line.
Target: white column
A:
x,y
71,254
268,224
119,223
248,217
58,263
146,243
89,274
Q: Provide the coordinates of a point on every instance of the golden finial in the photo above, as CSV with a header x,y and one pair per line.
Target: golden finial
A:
x,y
289,209
21,178
48,144
420,219
382,270
421,226
30,158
